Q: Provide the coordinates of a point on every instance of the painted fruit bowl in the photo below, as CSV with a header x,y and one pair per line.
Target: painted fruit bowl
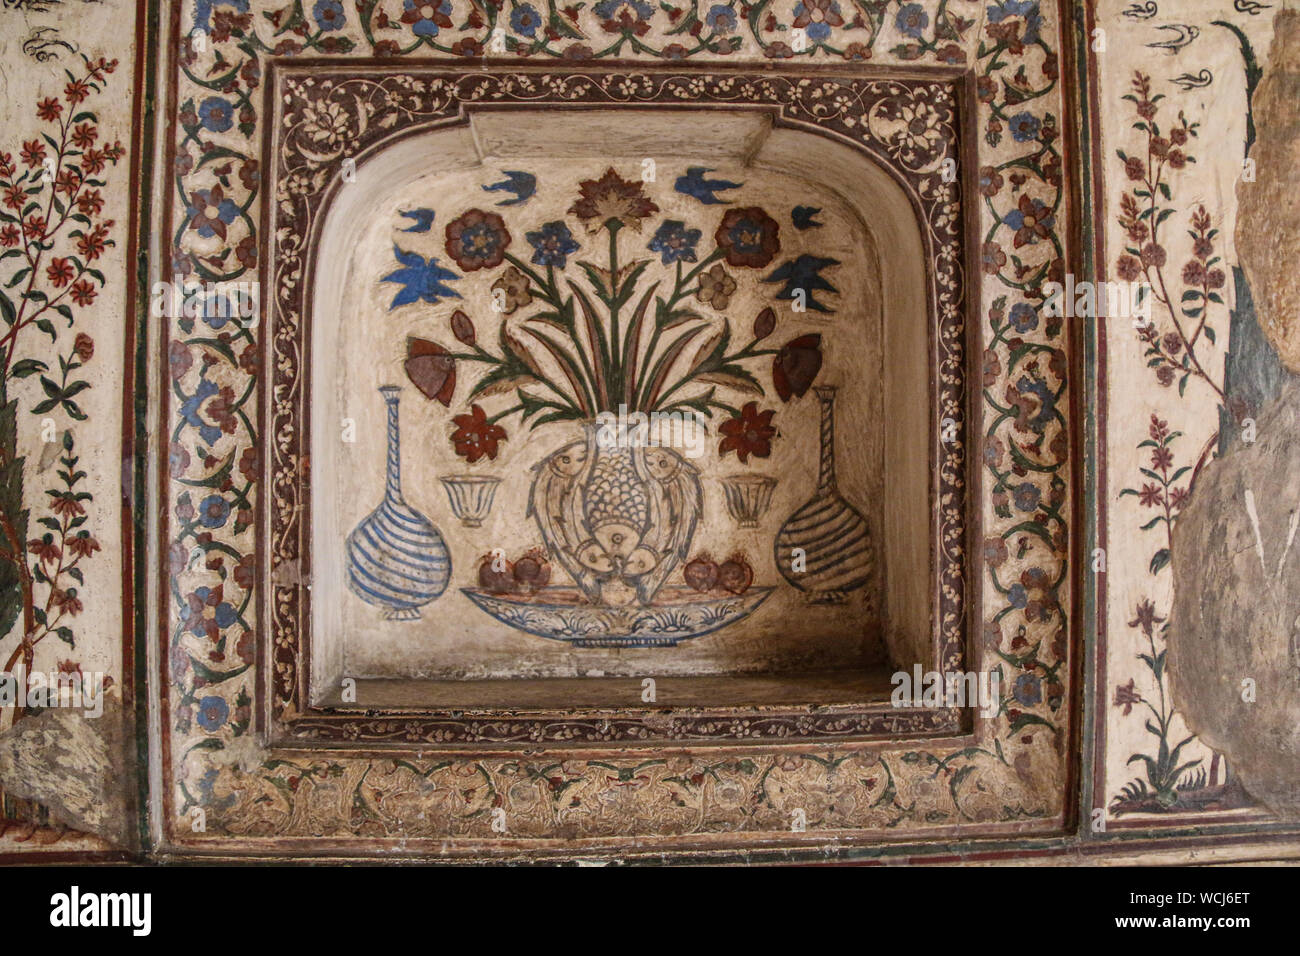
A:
x,y
565,614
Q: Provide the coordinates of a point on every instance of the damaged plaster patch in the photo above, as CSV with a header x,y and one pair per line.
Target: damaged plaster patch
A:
x,y
1268,223
1234,636
76,766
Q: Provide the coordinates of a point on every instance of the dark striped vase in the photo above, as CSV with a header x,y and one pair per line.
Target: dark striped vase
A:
x,y
397,560
824,548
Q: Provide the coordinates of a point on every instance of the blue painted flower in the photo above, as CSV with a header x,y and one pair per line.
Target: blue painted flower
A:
x,y
1026,496
1024,317
674,242
329,15
1028,9
420,279
552,244
1018,596
426,17
912,20
1024,127
216,114
1031,219
816,17
720,19
1028,689
207,792
210,212
213,712
203,10
1028,389
213,511
190,411
205,613
607,9
525,20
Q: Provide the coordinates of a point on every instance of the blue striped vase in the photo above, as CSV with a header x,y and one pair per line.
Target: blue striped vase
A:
x,y
397,560
824,548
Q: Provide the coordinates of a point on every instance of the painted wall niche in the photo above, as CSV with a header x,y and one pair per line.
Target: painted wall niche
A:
x,y
490,300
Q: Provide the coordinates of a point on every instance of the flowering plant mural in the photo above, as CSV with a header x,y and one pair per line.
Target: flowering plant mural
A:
x,y
596,336
51,236
607,333
1174,342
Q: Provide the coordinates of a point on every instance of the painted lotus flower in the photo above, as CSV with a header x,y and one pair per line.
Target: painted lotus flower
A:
x,y
612,199
477,240
748,237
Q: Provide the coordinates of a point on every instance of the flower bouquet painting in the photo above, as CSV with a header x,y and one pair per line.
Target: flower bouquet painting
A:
x,y
622,348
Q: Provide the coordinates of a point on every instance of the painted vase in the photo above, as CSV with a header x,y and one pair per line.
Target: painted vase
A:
x,y
617,515
397,559
824,548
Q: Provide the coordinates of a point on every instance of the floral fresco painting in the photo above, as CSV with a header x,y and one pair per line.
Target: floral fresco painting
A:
x,y
632,380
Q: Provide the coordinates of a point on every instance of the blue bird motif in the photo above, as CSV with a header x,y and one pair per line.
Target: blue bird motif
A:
x,y
419,279
802,277
522,184
694,184
423,219
802,217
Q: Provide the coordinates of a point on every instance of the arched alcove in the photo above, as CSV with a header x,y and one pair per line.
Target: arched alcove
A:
x,y
877,348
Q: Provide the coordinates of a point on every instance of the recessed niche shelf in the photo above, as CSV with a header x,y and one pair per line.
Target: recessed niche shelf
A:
x,y
491,550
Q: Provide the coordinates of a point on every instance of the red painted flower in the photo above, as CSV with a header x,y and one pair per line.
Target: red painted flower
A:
x,y
76,91
34,227
611,198
14,196
748,237
475,436
49,109
83,546
93,161
91,202
796,365
84,135
477,240
9,236
91,245
68,182
82,292
33,153
749,433
59,272
47,551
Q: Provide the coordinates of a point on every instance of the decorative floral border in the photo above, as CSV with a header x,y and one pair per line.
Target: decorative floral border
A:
x,y
1010,777
327,115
